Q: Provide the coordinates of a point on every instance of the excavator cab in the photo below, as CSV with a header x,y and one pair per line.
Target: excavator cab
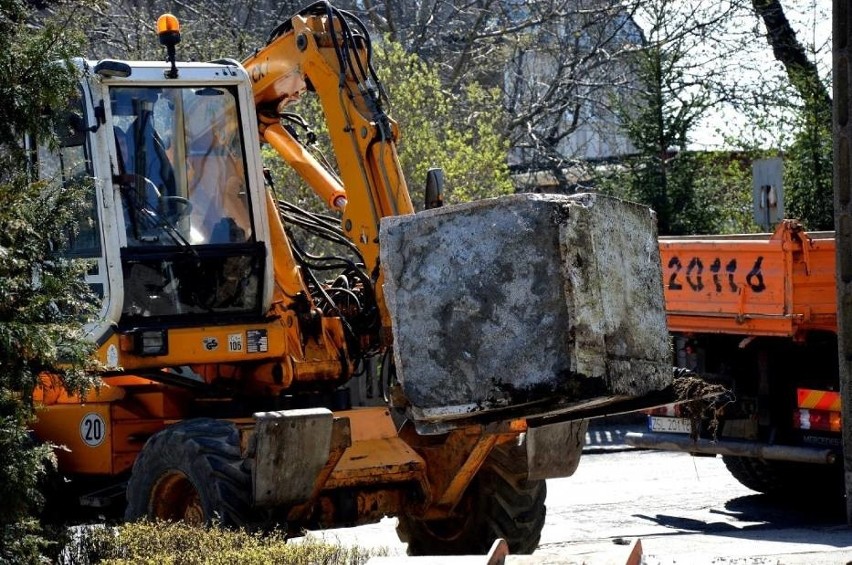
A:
x,y
189,247
179,206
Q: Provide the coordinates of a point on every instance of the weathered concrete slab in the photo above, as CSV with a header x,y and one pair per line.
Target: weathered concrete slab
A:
x,y
527,300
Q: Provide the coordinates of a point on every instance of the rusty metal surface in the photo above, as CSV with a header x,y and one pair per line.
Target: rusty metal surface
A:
x,y
377,455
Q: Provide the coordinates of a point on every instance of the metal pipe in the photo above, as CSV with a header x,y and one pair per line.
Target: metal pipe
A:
x,y
320,180
684,443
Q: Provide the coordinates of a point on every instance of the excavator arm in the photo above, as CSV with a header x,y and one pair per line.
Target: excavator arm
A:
x,y
327,51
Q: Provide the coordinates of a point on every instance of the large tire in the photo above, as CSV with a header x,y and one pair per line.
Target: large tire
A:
x,y
499,503
785,478
192,472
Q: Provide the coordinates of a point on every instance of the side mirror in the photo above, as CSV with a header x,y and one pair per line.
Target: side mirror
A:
x,y
434,188
109,68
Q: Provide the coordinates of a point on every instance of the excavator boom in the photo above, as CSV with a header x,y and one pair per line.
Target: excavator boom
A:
x,y
324,50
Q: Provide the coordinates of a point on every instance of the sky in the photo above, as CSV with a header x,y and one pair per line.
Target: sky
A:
x,y
752,68
811,19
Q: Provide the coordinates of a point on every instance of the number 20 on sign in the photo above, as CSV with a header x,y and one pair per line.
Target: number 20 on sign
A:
x,y
93,429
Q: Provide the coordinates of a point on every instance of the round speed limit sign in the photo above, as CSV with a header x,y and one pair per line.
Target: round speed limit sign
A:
x,y
93,429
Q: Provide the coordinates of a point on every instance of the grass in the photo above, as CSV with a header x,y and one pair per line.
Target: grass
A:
x,y
165,543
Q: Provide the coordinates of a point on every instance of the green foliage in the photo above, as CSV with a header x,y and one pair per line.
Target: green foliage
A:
x,y
33,79
808,172
723,185
713,191
457,133
21,465
667,185
42,297
720,190
180,544
42,302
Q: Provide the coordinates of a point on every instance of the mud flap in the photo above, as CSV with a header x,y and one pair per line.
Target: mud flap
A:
x,y
291,448
554,450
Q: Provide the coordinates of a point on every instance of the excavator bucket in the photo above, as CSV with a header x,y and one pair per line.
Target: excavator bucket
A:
x,y
526,305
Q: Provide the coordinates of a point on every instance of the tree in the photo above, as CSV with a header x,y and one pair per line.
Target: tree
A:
x,y
552,62
801,70
808,173
783,108
555,64
42,296
658,117
714,59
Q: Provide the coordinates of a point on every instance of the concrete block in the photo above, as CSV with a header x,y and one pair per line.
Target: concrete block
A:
x,y
536,303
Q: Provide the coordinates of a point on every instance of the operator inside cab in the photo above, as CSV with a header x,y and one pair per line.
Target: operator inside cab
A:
x,y
182,174
190,245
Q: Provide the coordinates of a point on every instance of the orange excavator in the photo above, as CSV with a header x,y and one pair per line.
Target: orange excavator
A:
x,y
227,345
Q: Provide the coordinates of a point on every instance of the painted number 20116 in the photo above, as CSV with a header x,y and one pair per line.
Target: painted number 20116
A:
x,y
692,274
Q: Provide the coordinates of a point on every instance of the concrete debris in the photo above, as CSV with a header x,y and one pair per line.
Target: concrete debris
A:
x,y
535,303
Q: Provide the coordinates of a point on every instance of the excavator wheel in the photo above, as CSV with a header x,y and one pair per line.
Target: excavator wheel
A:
x,y
191,472
500,503
785,478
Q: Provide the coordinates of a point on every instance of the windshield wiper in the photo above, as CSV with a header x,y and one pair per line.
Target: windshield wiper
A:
x,y
151,217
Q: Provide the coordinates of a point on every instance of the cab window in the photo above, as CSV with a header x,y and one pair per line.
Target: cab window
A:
x,y
182,167
69,162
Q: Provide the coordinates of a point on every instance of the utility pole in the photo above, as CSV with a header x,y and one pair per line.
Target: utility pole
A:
x,y
842,133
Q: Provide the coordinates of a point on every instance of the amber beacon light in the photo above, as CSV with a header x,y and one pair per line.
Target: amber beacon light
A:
x,y
168,26
168,29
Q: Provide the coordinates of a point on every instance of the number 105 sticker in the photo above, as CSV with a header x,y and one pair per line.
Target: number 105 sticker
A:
x,y
93,429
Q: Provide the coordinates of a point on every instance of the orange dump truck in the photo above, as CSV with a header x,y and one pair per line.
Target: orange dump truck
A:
x,y
756,314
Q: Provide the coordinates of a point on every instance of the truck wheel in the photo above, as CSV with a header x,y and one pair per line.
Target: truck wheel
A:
x,y
499,503
785,477
192,472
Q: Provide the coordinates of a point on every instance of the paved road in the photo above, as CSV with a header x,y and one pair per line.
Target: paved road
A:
x,y
683,509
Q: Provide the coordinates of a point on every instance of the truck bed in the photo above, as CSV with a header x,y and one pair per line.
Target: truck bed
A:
x,y
777,284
